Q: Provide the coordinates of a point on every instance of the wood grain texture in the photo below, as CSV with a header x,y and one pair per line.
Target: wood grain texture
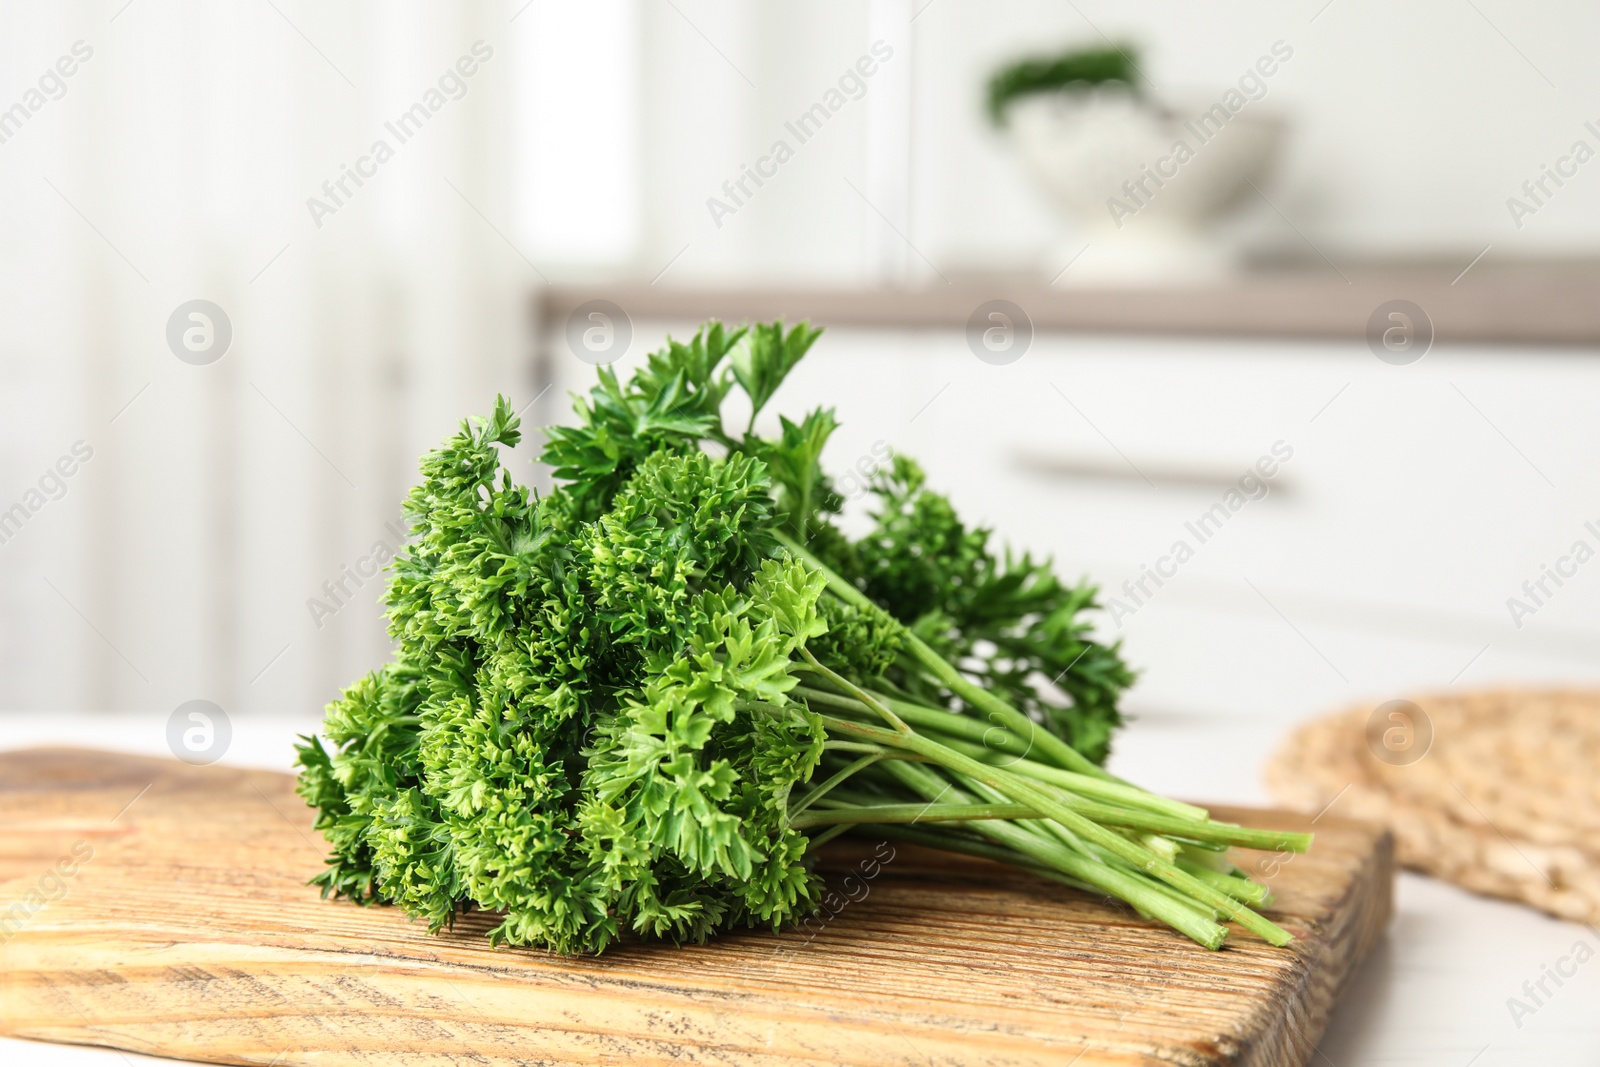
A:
x,y
190,932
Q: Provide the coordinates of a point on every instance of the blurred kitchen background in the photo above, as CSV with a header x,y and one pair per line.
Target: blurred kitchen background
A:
x,y
565,153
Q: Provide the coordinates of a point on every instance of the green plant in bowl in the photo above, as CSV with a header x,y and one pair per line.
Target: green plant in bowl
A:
x,y
1073,68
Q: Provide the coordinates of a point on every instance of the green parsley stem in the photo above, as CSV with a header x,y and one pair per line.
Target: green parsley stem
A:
x,y
822,790
867,699
1220,833
959,684
849,746
910,813
1139,892
992,737
1242,889
972,846
1023,791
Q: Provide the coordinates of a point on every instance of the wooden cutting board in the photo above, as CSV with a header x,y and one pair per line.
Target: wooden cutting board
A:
x,y
163,909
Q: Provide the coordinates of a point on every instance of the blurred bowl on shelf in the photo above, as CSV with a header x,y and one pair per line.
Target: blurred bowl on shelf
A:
x,y
1145,183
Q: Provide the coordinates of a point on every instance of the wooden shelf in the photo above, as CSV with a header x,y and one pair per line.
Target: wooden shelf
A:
x,y
1534,304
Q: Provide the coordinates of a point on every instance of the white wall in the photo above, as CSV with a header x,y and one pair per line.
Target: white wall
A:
x,y
1411,127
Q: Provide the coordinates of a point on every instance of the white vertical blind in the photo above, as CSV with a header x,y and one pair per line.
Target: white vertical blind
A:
x,y
185,160
576,89
888,140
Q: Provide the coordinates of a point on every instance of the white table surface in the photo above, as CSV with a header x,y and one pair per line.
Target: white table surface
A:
x,y
1434,994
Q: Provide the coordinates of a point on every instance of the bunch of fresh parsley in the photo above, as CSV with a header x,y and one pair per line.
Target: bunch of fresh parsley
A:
x,y
641,701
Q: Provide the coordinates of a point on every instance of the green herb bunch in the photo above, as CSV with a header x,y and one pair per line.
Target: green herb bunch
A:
x,y
1070,69
639,703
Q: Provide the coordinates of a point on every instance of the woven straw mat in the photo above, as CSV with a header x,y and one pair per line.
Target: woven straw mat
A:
x,y
1503,798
